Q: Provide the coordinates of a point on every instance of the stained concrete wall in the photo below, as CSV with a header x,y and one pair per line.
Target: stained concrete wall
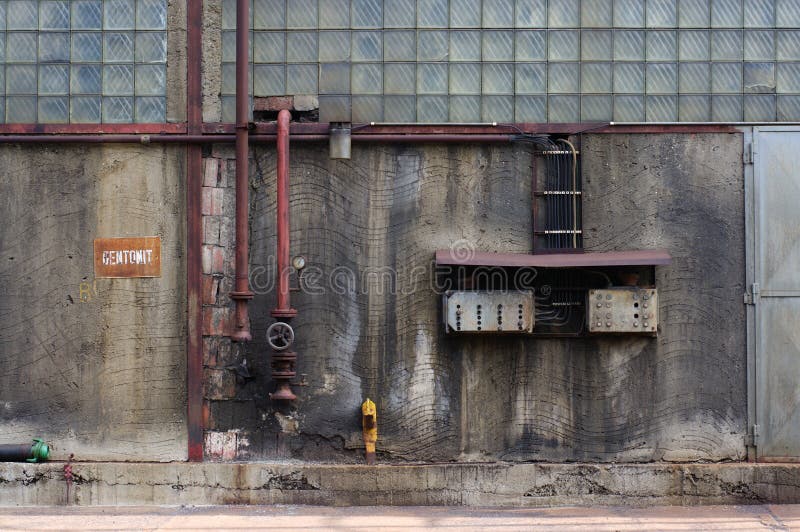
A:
x,y
95,366
512,485
678,397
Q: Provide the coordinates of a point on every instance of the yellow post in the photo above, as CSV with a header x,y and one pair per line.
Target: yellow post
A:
x,y
369,421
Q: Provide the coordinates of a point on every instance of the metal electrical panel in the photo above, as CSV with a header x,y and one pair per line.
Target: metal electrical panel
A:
x,y
489,312
623,310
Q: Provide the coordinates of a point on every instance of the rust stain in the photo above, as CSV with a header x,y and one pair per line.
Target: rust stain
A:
x,y
127,257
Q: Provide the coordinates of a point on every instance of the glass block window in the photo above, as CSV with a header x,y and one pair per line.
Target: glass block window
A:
x,y
525,60
83,61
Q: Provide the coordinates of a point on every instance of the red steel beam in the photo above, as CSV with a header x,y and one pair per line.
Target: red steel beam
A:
x,y
194,233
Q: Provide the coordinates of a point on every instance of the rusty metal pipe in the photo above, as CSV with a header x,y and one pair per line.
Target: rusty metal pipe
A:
x,y
229,138
283,308
94,138
283,362
241,293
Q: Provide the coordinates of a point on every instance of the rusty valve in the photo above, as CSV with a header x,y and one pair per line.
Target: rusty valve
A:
x,y
280,336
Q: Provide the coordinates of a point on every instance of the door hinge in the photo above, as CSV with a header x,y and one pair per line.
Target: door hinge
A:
x,y
747,153
754,434
751,296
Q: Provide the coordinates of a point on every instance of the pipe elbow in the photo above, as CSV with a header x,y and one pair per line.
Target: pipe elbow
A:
x,y
284,117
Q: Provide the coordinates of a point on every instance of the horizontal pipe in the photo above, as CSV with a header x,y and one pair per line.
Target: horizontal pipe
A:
x,y
625,124
439,138
230,138
323,137
116,139
15,453
434,124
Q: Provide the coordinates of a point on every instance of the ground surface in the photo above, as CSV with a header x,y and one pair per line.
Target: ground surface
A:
x,y
218,518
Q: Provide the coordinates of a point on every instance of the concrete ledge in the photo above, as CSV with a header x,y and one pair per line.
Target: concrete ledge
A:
x,y
495,484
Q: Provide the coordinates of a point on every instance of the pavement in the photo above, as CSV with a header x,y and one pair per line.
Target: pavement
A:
x,y
405,519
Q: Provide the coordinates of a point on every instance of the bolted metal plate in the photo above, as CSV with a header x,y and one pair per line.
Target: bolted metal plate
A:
x,y
623,310
489,312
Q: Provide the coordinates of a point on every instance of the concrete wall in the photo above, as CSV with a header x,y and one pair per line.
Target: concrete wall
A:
x,y
679,397
95,366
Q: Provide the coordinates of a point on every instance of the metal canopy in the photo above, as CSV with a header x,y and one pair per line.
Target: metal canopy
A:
x,y
643,257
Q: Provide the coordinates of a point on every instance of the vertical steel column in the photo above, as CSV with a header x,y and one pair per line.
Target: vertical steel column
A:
x,y
242,294
194,234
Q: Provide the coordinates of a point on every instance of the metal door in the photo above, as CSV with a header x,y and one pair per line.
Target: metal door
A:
x,y
775,292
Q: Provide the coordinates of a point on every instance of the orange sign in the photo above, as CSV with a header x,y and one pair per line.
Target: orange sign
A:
x,y
127,257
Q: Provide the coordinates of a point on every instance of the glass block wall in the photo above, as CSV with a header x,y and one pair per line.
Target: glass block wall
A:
x,y
83,61
526,60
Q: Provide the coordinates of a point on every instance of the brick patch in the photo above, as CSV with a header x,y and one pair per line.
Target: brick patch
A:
x,y
219,238
273,103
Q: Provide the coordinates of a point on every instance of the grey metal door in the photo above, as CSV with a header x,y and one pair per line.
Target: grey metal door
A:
x,y
775,292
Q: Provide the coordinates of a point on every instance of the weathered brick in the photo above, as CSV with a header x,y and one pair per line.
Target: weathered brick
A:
x,y
211,227
208,419
227,231
229,202
215,321
213,259
210,289
226,355
227,173
220,445
210,351
223,151
208,259
219,384
211,172
212,201
273,103
225,288
219,260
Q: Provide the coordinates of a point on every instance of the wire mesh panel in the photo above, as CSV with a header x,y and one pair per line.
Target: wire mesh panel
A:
x,y
620,60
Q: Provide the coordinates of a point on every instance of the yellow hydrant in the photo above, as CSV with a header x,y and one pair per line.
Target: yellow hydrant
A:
x,y
369,421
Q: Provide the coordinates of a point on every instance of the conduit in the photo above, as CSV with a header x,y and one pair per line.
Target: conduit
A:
x,y
280,334
283,308
231,138
242,294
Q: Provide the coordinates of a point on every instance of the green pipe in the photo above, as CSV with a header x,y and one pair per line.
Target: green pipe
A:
x,y
36,452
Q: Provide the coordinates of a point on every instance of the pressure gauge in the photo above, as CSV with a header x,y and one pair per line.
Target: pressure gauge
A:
x,y
299,262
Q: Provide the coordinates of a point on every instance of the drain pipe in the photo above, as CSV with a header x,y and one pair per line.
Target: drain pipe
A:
x,y
242,294
280,334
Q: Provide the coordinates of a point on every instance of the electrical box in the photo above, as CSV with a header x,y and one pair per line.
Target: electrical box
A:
x,y
623,310
489,312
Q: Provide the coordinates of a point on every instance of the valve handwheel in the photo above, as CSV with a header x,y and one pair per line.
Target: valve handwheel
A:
x,y
280,336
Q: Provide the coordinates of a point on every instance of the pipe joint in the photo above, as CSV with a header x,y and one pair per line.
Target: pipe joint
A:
x,y
283,313
246,295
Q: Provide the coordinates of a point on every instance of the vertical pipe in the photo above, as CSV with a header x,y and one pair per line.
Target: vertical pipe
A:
x,y
283,362
242,294
283,307
194,236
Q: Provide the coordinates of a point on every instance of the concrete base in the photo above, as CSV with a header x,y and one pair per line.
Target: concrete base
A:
x,y
496,484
